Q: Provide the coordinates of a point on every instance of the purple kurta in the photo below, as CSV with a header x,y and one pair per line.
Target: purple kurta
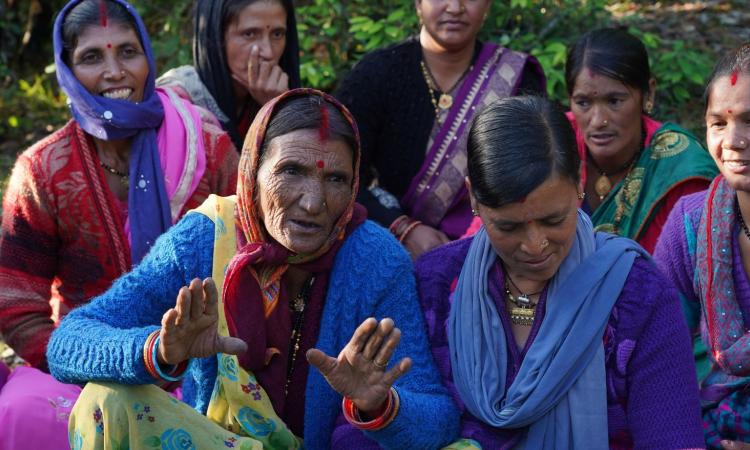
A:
x,y
652,391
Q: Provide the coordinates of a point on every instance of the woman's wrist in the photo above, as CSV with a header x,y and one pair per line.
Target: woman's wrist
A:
x,y
156,368
376,420
402,226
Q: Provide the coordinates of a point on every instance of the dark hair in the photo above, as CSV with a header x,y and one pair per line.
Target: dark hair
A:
x,y
515,145
211,20
304,113
736,61
88,13
611,52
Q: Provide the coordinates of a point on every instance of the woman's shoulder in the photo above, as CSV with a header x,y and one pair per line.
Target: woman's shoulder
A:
x,y
445,261
54,142
48,155
372,242
646,289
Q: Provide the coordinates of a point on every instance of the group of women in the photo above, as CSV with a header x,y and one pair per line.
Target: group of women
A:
x,y
277,313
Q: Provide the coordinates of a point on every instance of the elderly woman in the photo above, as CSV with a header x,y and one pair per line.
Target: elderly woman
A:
x,y
245,53
86,203
414,103
287,255
704,250
635,168
548,334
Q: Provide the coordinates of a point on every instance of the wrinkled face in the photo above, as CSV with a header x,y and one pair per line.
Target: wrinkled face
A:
x,y
608,114
728,129
304,185
110,61
518,231
452,24
262,24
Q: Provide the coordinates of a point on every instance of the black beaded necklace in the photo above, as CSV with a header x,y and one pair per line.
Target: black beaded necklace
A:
x,y
297,308
123,175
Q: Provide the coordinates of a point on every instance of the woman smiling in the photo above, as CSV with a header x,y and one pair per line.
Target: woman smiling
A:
x,y
84,205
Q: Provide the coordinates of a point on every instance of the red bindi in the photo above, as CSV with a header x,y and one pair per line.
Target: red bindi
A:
x,y
109,45
733,79
320,164
729,111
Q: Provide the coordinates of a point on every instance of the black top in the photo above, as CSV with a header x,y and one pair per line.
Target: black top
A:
x,y
388,96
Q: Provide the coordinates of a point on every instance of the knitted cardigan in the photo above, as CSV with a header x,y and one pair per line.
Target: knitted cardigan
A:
x,y
675,256
652,393
371,277
61,230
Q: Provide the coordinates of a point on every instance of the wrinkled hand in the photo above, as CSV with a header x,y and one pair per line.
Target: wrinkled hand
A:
x,y
735,445
422,239
265,80
359,371
190,329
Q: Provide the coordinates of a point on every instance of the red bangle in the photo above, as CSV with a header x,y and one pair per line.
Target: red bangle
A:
x,y
148,349
408,230
398,225
383,420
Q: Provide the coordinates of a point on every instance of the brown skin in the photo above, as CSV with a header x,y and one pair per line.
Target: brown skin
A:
x,y
254,43
517,231
109,60
300,202
608,113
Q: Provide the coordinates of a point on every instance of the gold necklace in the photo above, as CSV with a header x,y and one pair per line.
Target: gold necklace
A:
x,y
446,100
524,311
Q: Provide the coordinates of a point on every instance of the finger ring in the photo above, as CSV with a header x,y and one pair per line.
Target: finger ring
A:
x,y
382,365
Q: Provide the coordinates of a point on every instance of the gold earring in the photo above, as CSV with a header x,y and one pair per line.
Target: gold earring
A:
x,y
581,195
474,212
649,107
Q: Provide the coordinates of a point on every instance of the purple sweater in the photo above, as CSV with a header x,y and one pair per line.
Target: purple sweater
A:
x,y
652,392
675,256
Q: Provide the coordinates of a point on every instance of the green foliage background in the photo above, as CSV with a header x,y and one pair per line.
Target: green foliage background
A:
x,y
333,36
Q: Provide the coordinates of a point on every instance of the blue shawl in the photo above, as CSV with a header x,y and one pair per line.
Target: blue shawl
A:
x,y
112,119
560,391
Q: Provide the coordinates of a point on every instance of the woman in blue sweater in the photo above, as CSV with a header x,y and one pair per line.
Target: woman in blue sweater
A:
x,y
298,268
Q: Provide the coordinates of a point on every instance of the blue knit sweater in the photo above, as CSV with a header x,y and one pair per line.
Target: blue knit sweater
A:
x,y
372,277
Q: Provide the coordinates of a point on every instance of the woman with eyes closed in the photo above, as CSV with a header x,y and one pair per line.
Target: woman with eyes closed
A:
x,y
550,335
302,274
84,205
705,250
634,167
245,52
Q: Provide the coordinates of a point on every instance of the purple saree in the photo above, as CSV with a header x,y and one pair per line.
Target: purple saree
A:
x,y
437,195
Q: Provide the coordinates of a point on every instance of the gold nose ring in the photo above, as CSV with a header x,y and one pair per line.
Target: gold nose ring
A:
x,y
544,244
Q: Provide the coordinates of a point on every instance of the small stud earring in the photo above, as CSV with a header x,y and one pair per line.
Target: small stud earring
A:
x,y
474,212
581,195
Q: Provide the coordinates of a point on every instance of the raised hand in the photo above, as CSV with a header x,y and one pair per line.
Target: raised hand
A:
x,y
359,370
190,329
265,79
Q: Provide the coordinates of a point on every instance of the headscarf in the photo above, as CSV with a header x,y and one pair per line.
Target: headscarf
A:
x,y
560,389
210,60
111,119
256,306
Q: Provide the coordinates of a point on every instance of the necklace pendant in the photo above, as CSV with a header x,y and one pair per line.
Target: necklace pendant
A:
x,y
602,186
445,102
523,300
522,316
299,304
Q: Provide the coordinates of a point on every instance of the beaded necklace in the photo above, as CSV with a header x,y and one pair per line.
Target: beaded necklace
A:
x,y
297,308
123,175
524,311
